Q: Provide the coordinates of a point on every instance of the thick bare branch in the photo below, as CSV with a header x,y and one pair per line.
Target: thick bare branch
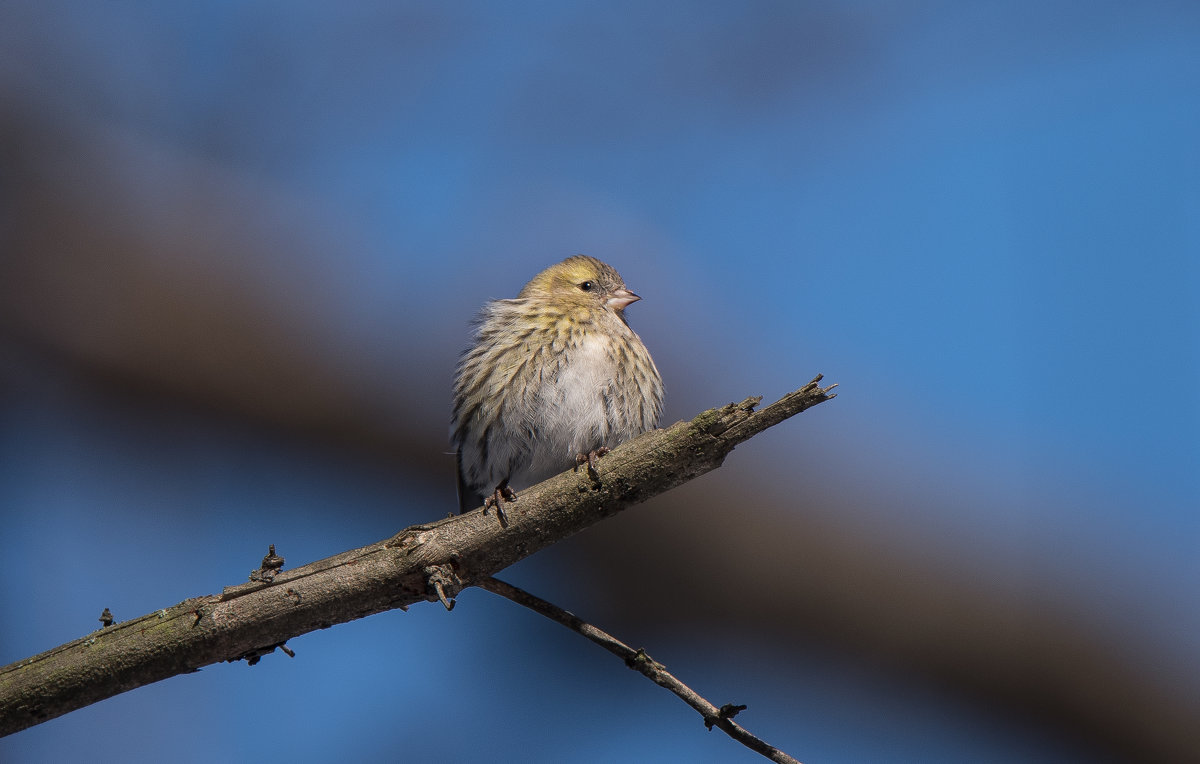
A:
x,y
421,563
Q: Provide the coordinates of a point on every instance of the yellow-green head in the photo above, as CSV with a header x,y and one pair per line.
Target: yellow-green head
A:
x,y
580,282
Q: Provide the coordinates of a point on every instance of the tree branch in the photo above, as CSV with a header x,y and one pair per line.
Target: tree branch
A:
x,y
639,661
421,563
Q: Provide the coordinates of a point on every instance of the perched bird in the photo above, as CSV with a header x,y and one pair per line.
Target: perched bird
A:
x,y
555,378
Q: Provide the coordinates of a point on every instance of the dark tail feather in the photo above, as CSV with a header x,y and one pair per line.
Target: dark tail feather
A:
x,y
467,499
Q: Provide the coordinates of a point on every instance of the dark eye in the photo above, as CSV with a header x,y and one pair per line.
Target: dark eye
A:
x,y
586,286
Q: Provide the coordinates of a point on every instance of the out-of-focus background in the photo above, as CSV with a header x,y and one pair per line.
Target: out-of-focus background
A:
x,y
241,242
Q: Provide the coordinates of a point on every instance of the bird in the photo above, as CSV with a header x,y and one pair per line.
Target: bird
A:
x,y
555,378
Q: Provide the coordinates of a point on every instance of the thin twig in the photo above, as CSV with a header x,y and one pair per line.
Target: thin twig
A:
x,y
639,661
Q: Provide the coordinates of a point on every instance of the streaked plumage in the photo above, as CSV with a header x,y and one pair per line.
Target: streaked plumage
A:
x,y
553,374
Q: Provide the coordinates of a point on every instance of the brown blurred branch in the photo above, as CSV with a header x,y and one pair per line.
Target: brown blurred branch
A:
x,y
639,661
421,563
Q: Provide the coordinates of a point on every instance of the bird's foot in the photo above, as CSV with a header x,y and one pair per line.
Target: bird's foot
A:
x,y
590,459
502,494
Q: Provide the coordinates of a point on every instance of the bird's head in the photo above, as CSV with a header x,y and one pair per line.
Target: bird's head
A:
x,y
581,282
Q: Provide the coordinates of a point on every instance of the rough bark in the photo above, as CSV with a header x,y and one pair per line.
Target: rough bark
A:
x,y
421,563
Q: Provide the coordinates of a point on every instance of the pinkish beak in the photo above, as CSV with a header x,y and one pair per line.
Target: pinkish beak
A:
x,y
621,298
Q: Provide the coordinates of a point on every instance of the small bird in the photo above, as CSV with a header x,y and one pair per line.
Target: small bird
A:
x,y
555,378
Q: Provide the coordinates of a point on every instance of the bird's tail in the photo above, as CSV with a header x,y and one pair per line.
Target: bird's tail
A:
x,y
467,498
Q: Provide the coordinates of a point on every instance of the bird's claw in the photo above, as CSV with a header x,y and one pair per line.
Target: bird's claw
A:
x,y
591,458
502,494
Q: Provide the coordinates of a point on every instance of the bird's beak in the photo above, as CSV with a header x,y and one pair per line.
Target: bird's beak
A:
x,y
621,298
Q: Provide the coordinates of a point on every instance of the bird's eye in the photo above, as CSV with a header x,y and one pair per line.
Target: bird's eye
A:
x,y
586,286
